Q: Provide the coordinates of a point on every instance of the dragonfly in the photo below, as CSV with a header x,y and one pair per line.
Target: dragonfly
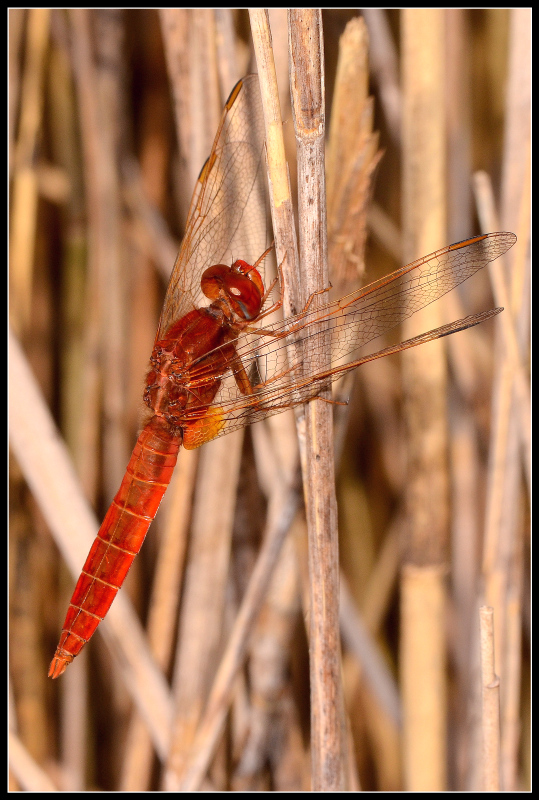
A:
x,y
218,364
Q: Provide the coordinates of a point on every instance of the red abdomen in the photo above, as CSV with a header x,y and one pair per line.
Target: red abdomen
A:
x,y
119,538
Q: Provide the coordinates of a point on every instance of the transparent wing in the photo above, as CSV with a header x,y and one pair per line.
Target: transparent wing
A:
x,y
227,216
268,400
345,326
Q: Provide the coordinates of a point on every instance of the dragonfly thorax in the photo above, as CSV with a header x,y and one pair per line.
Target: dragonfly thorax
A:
x,y
165,392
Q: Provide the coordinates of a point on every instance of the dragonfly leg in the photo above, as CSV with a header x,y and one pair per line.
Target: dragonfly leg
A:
x,y
303,312
311,298
279,303
243,381
240,376
263,256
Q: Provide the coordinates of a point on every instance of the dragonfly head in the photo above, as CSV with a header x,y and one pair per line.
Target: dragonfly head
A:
x,y
238,288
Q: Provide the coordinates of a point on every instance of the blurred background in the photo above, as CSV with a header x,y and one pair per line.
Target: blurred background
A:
x,y
111,117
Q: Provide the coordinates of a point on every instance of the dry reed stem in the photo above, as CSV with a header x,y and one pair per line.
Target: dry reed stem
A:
x,y
484,196
504,537
282,213
154,238
25,188
30,776
385,68
490,721
88,119
425,545
327,710
423,655
373,666
110,91
191,63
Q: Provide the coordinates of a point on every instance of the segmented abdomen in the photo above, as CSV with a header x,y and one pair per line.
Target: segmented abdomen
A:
x,y
119,538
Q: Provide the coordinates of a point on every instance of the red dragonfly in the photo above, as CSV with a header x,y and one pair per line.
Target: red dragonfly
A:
x,y
214,368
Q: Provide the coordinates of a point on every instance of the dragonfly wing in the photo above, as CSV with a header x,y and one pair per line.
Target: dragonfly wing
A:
x,y
280,378
236,411
227,216
386,303
357,319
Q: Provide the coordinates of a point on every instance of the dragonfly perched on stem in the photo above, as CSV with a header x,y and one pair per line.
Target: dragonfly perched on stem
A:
x,y
214,368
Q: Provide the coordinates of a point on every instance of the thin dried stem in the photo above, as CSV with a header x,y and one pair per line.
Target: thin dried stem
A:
x,y
327,709
490,721
425,545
